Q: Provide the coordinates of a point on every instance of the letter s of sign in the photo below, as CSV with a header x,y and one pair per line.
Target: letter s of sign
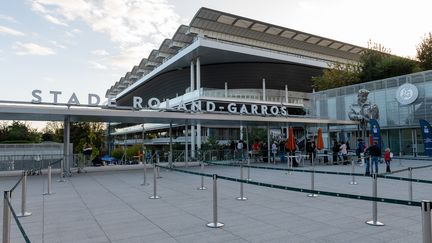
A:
x,y
36,93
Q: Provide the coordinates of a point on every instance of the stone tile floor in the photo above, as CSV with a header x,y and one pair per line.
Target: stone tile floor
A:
x,y
110,205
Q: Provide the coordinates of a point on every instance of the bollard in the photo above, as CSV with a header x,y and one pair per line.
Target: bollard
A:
x,y
374,220
202,187
145,175
49,181
248,170
313,184
62,175
289,161
410,188
426,220
241,198
155,196
215,223
24,197
352,182
6,217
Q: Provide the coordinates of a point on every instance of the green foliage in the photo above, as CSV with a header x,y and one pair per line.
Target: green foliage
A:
x,y
424,52
375,63
338,75
117,153
210,144
18,132
132,151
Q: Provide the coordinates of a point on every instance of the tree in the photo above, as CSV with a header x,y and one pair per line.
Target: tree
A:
x,y
424,52
18,132
337,75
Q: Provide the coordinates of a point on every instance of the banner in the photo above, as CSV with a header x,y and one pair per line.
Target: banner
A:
x,y
427,136
375,131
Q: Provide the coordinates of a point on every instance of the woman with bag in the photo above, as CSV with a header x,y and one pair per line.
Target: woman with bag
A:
x,y
387,158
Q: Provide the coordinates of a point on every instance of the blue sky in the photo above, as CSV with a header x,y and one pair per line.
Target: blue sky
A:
x,y
86,46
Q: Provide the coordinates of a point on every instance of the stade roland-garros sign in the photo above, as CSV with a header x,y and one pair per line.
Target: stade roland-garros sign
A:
x,y
155,104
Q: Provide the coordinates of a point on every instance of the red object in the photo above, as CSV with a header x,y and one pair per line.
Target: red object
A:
x,y
320,141
370,140
387,155
290,143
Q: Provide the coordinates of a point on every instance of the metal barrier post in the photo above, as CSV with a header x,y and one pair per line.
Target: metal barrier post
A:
x,y
215,223
352,182
49,181
241,198
154,184
24,197
426,220
313,184
248,169
145,174
410,187
6,217
62,175
374,220
202,187
289,162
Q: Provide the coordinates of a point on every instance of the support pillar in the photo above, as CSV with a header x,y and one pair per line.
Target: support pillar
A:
x,y
66,145
286,93
198,74
263,90
170,146
186,144
192,76
193,141
198,136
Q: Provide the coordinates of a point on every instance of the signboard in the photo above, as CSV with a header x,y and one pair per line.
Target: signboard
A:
x,y
375,131
427,136
406,94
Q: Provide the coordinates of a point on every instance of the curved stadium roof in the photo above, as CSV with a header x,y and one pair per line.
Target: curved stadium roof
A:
x,y
228,28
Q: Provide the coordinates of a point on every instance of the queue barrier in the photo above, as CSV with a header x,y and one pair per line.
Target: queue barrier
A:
x,y
8,210
424,204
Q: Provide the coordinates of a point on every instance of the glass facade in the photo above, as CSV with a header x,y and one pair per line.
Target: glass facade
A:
x,y
399,123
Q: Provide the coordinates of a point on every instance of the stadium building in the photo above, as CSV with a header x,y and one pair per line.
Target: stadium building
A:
x,y
226,63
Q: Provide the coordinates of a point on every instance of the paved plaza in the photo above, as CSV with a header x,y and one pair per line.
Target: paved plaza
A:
x,y
107,205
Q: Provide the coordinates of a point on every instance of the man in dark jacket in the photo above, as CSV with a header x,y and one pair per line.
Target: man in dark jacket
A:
x,y
374,152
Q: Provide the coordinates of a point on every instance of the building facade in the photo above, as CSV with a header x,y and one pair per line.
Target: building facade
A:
x,y
400,110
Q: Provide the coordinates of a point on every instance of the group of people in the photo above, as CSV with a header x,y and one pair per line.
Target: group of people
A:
x,y
259,150
374,152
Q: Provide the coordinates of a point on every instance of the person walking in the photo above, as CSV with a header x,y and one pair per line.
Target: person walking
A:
x,y
344,153
387,159
274,150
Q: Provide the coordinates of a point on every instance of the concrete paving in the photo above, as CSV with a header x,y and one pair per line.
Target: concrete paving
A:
x,y
110,205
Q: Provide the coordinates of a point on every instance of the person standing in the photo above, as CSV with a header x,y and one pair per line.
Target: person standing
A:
x,y
344,153
335,150
387,159
375,152
274,150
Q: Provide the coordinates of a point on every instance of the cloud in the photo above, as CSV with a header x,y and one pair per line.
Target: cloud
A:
x,y
100,52
128,23
54,20
58,45
8,18
32,49
96,65
9,31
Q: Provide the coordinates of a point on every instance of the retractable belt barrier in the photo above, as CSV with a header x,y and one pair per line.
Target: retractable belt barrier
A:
x,y
8,210
304,190
384,176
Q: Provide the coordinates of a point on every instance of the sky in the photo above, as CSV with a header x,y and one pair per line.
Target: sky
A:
x,y
85,46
